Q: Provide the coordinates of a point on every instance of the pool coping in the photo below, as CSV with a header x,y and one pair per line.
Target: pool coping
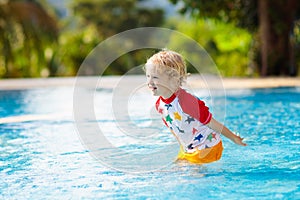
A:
x,y
195,81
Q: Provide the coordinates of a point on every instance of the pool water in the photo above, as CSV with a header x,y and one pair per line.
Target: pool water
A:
x,y
45,158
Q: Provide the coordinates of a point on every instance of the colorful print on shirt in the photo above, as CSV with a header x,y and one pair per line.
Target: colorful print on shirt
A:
x,y
186,116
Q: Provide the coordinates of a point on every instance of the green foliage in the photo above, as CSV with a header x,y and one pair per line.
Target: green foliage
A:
x,y
97,20
26,32
34,42
75,45
32,46
240,12
275,19
226,44
111,17
129,63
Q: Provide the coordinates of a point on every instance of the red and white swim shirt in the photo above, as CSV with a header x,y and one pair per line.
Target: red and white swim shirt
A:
x,y
186,116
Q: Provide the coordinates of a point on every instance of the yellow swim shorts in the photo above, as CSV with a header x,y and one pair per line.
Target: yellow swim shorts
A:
x,y
202,156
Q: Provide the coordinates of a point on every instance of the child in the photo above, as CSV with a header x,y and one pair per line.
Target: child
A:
x,y
187,117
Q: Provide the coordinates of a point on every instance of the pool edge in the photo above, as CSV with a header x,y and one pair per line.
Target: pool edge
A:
x,y
195,81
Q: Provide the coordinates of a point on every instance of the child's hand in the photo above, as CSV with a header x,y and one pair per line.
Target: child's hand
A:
x,y
238,140
218,127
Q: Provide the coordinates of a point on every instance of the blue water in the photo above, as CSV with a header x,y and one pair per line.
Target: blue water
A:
x,y
45,159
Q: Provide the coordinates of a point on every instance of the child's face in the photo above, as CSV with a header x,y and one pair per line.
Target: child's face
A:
x,y
160,83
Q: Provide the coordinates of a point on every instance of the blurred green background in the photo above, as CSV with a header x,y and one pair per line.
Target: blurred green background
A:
x,y
47,38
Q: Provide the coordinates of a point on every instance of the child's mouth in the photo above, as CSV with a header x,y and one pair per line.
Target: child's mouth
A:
x,y
153,88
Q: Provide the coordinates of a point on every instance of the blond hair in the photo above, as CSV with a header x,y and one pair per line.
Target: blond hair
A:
x,y
169,62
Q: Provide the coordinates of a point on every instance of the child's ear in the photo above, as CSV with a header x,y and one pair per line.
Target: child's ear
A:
x,y
144,68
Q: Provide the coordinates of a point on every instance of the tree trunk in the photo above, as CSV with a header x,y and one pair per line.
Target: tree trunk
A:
x,y
275,27
264,32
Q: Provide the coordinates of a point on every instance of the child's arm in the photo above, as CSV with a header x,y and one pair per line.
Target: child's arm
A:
x,y
217,126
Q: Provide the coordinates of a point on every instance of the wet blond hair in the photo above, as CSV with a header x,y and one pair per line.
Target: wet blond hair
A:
x,y
169,62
